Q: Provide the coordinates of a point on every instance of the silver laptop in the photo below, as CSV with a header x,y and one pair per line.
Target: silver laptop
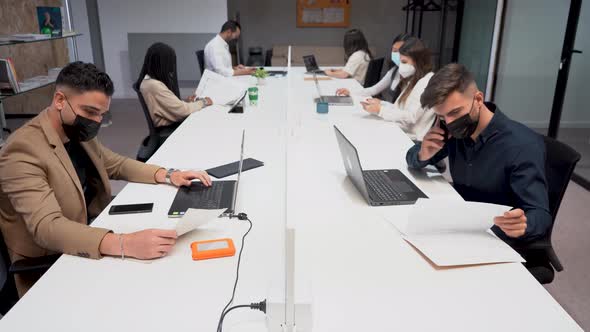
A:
x,y
331,100
221,194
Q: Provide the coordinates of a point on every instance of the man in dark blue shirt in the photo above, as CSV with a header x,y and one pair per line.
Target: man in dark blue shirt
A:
x,y
492,159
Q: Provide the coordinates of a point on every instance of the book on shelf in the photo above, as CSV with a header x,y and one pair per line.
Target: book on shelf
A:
x,y
28,37
8,78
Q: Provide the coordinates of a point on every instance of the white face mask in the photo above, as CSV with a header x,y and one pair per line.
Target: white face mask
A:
x,y
406,70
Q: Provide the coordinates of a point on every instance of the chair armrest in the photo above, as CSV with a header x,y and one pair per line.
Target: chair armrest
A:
x,y
36,264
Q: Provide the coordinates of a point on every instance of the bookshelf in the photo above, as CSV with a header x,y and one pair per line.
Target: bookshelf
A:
x,y
30,86
19,42
32,58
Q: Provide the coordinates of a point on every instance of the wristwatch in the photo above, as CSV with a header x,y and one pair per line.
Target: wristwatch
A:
x,y
169,174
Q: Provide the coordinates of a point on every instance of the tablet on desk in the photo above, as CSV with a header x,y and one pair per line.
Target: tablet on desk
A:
x,y
232,168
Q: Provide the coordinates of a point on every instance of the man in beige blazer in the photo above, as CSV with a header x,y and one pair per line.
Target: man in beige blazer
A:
x,y
54,176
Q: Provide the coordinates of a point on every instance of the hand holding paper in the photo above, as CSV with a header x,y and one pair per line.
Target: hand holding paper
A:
x,y
443,216
455,232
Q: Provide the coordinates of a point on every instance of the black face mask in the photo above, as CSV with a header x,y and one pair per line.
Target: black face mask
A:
x,y
82,130
464,126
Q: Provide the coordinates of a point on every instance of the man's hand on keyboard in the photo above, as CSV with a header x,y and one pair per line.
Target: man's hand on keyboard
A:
x,y
184,178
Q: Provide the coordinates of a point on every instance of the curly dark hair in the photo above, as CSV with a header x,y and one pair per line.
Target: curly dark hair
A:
x,y
83,77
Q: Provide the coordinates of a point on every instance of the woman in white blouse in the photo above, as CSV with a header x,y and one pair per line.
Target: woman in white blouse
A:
x,y
358,55
415,71
391,78
158,84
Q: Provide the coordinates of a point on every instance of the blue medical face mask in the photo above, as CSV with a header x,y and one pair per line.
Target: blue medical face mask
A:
x,y
395,57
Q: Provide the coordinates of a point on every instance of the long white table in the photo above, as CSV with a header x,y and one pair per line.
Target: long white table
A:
x,y
351,264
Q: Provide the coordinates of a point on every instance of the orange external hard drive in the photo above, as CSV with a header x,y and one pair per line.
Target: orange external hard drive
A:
x,y
213,249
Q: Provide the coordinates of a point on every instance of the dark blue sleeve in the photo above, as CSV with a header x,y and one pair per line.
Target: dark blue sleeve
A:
x,y
528,183
414,162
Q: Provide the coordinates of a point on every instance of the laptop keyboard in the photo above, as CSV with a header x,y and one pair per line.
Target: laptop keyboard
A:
x,y
381,188
206,197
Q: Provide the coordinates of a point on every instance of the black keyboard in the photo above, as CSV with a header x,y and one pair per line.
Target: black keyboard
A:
x,y
206,197
381,188
197,196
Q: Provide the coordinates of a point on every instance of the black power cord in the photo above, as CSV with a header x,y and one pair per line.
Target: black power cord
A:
x,y
257,306
254,306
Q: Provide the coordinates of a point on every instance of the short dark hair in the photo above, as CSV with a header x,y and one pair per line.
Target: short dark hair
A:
x,y
450,78
84,77
231,25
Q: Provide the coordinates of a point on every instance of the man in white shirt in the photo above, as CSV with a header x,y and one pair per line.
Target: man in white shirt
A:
x,y
217,56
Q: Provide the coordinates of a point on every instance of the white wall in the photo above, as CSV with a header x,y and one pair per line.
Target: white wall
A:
x,y
117,18
80,24
529,59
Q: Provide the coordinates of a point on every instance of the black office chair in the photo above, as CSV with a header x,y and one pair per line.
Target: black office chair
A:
x,y
157,135
268,58
542,262
255,57
201,59
8,293
373,72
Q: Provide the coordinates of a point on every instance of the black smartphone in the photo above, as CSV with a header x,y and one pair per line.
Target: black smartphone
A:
x,y
131,208
442,125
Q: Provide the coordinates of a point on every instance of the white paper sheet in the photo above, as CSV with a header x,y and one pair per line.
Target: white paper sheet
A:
x,y
222,90
194,218
453,232
446,215
454,249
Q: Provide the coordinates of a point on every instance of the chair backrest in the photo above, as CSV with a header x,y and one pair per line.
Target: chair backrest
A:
x,y
201,59
560,162
373,72
146,111
268,58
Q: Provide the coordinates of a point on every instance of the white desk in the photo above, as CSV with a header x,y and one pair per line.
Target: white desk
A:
x,y
350,262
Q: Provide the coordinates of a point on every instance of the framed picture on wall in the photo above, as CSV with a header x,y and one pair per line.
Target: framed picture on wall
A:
x,y
49,21
323,13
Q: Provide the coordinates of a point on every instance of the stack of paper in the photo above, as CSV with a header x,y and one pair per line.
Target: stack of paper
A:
x,y
222,90
455,232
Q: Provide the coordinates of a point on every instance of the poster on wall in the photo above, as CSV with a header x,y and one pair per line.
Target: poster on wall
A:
x,y
50,21
323,13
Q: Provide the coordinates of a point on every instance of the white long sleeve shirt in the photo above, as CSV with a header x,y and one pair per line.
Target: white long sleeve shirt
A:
x,y
414,120
382,85
217,57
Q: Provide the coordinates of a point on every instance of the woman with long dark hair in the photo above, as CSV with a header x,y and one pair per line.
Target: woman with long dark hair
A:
x,y
415,70
391,78
357,56
158,84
